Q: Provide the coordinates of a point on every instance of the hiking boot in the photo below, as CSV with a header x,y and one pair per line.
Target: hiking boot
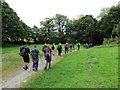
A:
x,y
24,68
33,69
36,69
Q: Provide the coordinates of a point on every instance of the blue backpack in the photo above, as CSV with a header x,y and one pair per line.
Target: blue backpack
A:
x,y
34,54
47,53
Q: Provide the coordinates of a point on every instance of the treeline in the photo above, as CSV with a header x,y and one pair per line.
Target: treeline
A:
x,y
60,28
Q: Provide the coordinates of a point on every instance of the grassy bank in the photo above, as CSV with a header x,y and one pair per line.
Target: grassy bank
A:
x,y
90,68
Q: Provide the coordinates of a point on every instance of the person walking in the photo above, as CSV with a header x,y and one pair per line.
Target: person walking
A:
x,y
59,48
43,48
48,54
24,52
71,46
66,48
53,49
34,54
78,45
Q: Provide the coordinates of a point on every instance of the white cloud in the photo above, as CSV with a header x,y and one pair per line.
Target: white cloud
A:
x,y
34,11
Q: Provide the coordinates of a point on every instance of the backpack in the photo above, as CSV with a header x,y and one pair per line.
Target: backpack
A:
x,y
78,44
47,53
59,47
22,51
70,45
34,54
53,47
43,49
66,46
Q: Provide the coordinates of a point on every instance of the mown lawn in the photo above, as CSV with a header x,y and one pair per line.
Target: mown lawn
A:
x,y
89,68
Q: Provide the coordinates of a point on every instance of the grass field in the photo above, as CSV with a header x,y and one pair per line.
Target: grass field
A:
x,y
89,68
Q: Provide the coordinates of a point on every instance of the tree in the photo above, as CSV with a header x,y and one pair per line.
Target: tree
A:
x,y
47,28
110,21
103,13
60,22
115,31
35,33
12,27
84,28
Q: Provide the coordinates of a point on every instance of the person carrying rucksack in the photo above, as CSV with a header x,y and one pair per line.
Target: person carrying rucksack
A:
x,y
24,52
34,54
78,45
53,48
59,48
43,48
48,53
71,46
66,48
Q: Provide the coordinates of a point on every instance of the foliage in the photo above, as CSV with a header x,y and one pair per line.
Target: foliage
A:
x,y
115,31
110,21
103,13
13,29
111,41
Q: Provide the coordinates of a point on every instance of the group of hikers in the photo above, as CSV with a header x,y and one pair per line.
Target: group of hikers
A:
x,y
48,53
88,45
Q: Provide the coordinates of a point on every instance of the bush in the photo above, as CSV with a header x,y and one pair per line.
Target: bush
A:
x,y
111,41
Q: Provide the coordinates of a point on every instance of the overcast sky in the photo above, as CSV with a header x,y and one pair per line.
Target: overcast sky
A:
x,y
34,11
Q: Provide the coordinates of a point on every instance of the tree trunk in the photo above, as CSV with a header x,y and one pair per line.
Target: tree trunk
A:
x,y
35,41
22,41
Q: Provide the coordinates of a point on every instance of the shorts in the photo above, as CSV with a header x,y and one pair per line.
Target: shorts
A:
x,y
26,59
48,59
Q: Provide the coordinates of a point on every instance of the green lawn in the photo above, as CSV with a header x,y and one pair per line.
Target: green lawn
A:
x,y
89,68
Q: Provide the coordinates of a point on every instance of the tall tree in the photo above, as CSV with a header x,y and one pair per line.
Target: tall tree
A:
x,y
103,13
13,29
110,21
47,27
60,26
